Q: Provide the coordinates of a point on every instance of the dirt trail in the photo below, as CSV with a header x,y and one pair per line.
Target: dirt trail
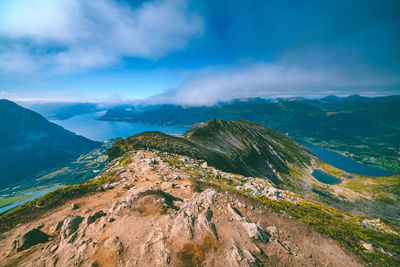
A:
x,y
156,216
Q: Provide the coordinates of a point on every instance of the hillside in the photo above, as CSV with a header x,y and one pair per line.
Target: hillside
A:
x,y
365,129
62,111
216,195
239,147
29,143
253,150
152,208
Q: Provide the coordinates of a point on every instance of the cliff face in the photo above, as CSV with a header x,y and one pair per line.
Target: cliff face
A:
x,y
152,212
29,143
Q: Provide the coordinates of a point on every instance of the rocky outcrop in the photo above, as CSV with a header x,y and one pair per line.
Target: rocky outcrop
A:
x,y
70,225
252,229
92,218
140,222
31,238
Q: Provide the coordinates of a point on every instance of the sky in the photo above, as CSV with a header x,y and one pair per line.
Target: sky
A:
x,y
192,52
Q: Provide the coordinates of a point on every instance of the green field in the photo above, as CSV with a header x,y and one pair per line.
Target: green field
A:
x,y
4,201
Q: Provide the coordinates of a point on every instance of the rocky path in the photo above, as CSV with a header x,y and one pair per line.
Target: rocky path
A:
x,y
156,215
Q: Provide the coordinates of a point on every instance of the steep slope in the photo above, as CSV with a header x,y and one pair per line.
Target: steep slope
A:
x,y
239,147
251,149
152,208
29,143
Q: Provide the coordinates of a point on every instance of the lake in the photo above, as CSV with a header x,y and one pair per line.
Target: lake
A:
x,y
342,162
87,126
325,178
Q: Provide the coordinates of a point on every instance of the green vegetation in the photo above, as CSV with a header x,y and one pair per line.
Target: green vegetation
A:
x,y
26,136
32,209
238,147
342,227
83,168
334,223
364,129
384,189
4,201
124,161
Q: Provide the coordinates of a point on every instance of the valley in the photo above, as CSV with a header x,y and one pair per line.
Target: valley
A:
x,y
364,129
175,207
184,133
239,158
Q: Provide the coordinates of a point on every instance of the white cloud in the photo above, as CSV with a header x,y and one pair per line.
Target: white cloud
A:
x,y
266,80
70,35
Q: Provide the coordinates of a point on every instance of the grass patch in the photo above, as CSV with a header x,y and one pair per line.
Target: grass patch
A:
x,y
385,189
4,201
124,161
34,208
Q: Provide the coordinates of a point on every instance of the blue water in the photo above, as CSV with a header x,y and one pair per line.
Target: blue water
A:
x,y
344,163
87,125
325,178
34,194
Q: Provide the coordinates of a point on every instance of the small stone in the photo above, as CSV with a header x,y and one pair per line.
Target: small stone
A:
x,y
242,205
53,248
272,230
111,220
167,185
74,206
367,246
108,186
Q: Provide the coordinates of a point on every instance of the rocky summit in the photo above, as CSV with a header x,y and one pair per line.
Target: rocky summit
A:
x,y
239,147
152,213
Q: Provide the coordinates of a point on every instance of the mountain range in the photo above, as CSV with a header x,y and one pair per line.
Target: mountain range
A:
x,y
29,143
227,192
365,129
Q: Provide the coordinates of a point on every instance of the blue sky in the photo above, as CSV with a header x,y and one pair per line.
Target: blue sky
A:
x,y
197,52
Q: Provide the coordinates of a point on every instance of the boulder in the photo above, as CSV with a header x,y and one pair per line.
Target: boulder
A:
x,y
70,225
31,238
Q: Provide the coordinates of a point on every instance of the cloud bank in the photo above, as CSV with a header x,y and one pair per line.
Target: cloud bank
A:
x,y
278,80
73,35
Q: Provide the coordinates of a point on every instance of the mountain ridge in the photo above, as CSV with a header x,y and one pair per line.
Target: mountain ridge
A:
x,y
246,150
28,139
341,125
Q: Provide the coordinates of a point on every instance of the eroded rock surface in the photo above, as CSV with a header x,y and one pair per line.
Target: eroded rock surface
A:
x,y
144,220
